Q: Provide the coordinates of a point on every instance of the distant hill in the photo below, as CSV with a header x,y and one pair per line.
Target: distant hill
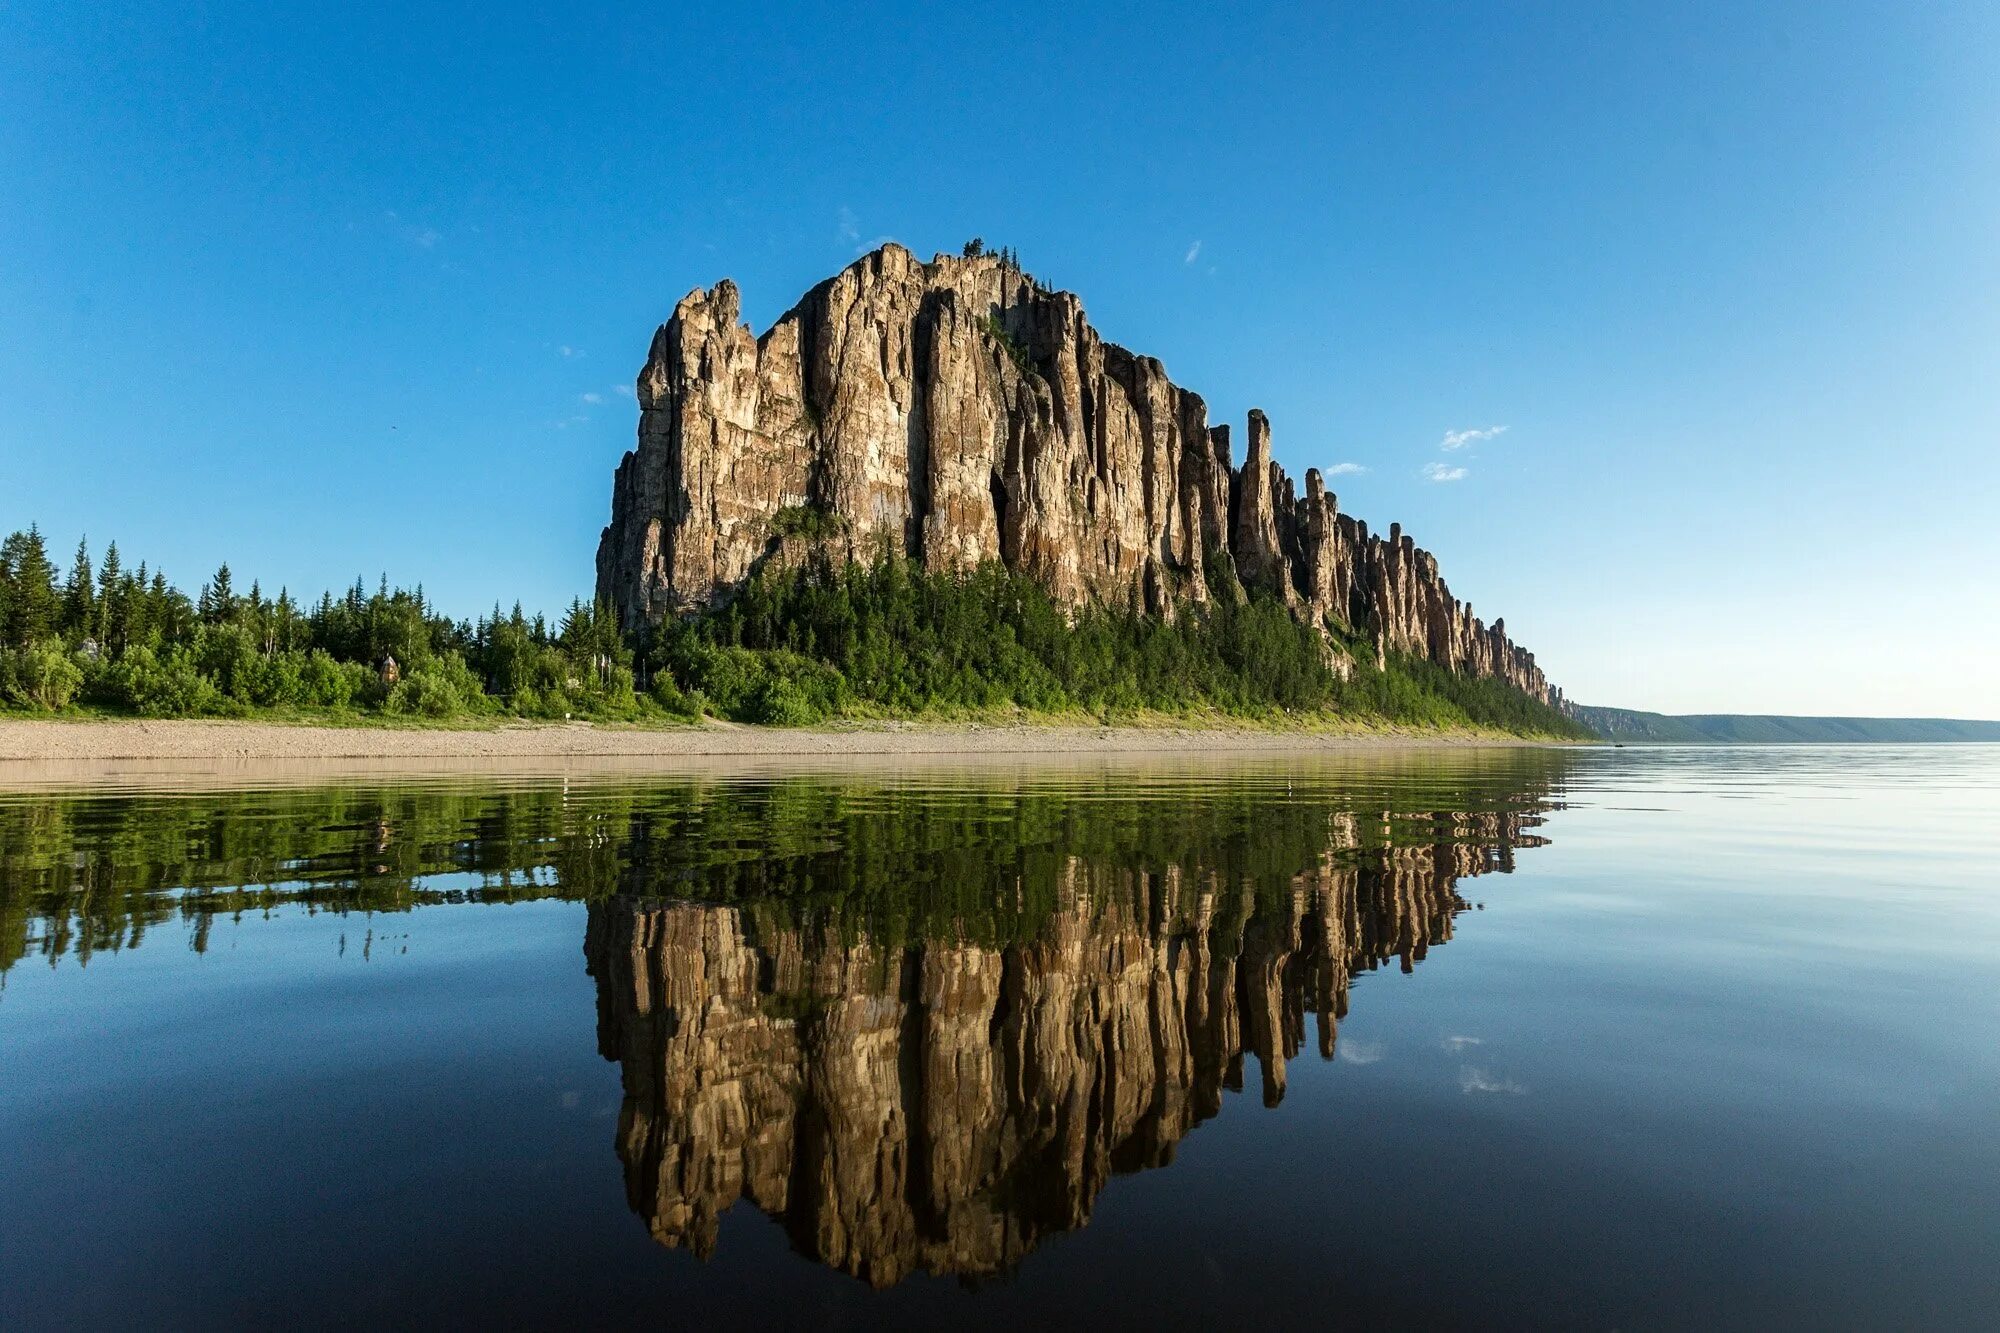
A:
x,y
1625,724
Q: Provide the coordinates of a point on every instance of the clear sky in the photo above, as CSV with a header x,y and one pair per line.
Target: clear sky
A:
x,y
333,290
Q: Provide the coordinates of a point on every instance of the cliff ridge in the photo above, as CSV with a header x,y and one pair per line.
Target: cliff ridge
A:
x,y
957,412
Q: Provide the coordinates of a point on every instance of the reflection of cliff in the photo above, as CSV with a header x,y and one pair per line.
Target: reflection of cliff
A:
x,y
944,1105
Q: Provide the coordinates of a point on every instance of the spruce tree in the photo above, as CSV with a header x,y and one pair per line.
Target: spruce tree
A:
x,y
34,605
160,608
218,598
110,596
79,604
6,589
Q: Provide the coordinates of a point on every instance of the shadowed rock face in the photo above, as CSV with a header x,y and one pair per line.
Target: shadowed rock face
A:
x,y
942,1104
956,412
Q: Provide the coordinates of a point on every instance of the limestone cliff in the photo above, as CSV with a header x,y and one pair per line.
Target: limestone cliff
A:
x,y
944,1104
956,412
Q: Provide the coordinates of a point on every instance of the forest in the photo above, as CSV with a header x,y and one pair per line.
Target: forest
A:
x,y
794,647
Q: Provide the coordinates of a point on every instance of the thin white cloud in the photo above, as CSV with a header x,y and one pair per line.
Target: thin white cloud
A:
x,y
622,390
1194,253
1443,472
1459,439
1359,1052
1459,1043
412,233
1473,1080
847,227
568,353
593,398
1345,470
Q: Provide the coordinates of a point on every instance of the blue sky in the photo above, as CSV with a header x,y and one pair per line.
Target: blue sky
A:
x,y
327,291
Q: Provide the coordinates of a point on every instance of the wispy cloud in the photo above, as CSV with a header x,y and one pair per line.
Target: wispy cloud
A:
x,y
412,233
1474,1080
1459,439
1360,1052
1345,470
847,232
1443,472
1194,253
568,353
1459,1043
623,390
593,398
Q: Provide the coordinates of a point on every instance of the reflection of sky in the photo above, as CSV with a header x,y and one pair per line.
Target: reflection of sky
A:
x,y
1753,1015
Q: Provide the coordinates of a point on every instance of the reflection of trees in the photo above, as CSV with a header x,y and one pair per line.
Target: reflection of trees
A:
x,y
938,1091
81,874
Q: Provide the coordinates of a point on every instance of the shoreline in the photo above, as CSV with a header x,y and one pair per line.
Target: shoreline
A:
x,y
37,742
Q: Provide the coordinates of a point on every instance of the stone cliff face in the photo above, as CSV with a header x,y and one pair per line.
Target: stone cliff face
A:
x,y
943,1105
956,412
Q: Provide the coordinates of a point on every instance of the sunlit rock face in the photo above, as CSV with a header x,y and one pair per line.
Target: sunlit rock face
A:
x,y
957,412
941,1104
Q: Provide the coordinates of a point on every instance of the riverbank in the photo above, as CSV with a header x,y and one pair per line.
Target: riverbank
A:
x,y
25,741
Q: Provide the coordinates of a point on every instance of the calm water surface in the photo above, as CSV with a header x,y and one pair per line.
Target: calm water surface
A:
x,y
1623,1039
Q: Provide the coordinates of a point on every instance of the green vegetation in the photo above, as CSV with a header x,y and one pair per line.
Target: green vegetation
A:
x,y
891,638
1017,352
809,521
989,860
792,648
125,641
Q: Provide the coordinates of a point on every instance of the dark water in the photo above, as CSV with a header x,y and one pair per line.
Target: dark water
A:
x,y
1609,1039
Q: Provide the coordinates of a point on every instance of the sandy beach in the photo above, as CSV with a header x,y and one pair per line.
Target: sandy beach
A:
x,y
24,741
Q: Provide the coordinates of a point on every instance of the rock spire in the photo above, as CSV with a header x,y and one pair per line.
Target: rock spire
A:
x,y
956,412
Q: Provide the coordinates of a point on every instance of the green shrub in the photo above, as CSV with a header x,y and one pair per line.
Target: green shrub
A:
x,y
41,676
228,656
671,698
1016,351
809,521
775,686
325,683
426,691
616,694
451,670
779,702
279,681
728,676
156,686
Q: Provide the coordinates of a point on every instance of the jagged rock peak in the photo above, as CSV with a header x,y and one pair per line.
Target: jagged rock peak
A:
x,y
957,411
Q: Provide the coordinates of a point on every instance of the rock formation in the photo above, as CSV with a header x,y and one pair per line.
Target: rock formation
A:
x,y
957,412
942,1104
